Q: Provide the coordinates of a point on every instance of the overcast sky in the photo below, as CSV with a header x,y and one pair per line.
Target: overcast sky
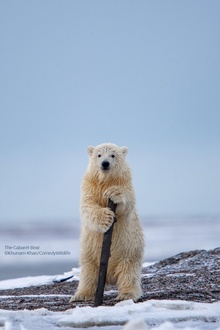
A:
x,y
145,74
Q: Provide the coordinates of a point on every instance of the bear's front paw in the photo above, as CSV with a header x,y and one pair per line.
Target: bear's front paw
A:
x,y
115,194
106,219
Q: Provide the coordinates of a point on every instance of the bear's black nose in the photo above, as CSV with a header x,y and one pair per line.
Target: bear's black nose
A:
x,y
105,165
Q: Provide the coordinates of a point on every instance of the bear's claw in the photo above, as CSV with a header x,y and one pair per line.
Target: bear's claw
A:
x,y
106,219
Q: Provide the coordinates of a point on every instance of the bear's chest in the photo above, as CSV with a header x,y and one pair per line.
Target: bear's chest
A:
x,y
100,198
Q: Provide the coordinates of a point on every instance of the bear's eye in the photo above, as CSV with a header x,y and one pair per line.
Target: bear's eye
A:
x,y
113,156
99,155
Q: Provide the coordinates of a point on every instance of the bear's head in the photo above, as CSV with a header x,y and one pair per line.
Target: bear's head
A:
x,y
107,160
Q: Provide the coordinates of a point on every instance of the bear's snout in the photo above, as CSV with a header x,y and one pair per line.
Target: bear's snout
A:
x,y
105,165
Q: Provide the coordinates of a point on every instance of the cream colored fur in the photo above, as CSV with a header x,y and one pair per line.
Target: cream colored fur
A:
x,y
124,268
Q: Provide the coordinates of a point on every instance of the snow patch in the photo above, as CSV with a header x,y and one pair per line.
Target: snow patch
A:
x,y
136,324
150,311
24,282
164,315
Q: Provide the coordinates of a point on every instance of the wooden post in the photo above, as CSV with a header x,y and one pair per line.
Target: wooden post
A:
x,y
105,254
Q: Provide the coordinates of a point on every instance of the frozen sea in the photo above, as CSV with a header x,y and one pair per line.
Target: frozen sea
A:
x,y
52,246
40,250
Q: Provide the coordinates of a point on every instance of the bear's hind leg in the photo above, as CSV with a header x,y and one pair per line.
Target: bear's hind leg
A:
x,y
128,281
87,284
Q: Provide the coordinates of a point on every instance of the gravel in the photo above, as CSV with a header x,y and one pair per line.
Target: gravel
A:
x,y
191,276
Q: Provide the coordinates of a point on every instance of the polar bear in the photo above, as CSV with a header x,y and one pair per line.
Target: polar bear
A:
x,y
108,177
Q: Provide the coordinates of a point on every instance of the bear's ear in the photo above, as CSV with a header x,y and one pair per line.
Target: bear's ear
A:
x,y
90,150
124,150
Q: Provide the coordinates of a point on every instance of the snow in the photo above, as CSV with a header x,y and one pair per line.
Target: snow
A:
x,y
37,280
150,311
157,315
152,314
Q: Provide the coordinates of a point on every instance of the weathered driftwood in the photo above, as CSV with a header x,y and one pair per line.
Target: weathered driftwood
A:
x,y
105,254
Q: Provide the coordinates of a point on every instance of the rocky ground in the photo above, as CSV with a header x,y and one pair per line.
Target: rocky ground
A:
x,y
193,276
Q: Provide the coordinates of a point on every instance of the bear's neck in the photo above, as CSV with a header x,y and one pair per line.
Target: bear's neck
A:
x,y
108,179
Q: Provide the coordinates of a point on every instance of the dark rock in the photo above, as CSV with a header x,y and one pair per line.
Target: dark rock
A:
x,y
193,275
